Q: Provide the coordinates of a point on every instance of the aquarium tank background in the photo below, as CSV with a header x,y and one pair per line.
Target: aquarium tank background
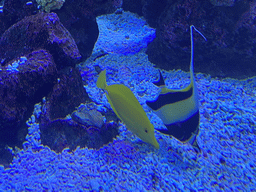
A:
x,y
127,95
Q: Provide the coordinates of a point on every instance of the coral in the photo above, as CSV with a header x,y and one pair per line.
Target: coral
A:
x,y
13,67
49,5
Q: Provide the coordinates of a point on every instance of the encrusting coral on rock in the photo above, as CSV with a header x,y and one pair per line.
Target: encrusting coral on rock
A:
x,y
49,5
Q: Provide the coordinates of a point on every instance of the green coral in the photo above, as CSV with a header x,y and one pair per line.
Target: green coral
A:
x,y
49,5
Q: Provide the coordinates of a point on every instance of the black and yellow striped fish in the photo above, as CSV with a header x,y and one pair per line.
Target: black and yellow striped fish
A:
x,y
179,108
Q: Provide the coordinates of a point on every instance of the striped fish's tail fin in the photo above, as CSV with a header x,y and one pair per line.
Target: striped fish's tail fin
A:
x,y
160,81
101,82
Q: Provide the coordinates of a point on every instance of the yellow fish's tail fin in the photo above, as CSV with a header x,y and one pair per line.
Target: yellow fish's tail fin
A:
x,y
101,82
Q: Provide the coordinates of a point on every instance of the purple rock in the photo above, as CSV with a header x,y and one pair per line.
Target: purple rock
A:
x,y
40,31
23,83
79,17
67,94
67,133
13,11
230,34
58,131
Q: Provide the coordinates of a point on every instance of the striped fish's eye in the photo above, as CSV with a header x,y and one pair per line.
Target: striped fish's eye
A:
x,y
146,130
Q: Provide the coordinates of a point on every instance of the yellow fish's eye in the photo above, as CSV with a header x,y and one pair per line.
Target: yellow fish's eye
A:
x,y
146,130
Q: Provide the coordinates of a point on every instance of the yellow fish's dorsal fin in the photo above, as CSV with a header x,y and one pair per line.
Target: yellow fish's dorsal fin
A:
x,y
101,82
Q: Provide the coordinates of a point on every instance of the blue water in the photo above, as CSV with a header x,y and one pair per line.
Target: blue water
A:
x,y
226,137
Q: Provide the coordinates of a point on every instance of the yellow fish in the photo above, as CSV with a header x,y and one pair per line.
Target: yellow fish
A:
x,y
179,108
128,109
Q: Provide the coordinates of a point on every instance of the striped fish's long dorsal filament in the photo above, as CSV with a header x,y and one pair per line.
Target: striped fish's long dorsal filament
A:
x,y
192,46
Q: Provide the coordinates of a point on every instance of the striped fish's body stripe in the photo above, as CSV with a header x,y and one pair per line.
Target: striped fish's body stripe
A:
x,y
184,130
181,112
169,98
178,111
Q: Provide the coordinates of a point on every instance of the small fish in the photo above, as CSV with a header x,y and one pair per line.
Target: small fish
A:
x,y
128,109
179,108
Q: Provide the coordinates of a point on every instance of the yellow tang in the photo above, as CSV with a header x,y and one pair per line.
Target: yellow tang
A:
x,y
128,109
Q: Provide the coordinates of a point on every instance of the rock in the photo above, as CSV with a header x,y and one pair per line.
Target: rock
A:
x,y
14,11
79,17
134,6
86,128
23,83
66,133
229,50
152,10
67,94
43,30
88,117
